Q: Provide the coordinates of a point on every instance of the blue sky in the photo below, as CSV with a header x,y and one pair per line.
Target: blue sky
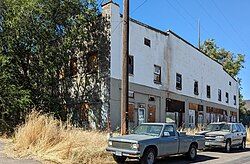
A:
x,y
226,21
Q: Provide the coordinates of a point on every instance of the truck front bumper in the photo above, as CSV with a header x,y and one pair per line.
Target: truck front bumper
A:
x,y
124,152
215,144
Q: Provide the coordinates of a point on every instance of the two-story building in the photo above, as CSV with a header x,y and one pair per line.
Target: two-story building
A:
x,y
169,78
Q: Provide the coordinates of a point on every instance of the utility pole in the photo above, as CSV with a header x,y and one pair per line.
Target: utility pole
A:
x,y
199,39
125,55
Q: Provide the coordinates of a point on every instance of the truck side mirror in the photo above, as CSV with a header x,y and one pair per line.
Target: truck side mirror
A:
x,y
166,134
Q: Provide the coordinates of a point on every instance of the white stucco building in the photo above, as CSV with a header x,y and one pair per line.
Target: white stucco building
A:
x,y
170,79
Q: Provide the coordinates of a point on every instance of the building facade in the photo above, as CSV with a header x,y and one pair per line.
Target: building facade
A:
x,y
170,80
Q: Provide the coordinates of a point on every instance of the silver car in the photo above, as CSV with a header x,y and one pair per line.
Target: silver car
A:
x,y
151,140
227,136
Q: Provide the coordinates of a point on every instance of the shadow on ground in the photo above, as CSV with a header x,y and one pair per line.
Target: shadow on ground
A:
x,y
177,159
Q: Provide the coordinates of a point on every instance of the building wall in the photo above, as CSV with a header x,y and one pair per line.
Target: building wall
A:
x,y
174,55
194,65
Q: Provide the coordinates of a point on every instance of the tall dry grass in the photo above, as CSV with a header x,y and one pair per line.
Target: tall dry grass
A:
x,y
47,139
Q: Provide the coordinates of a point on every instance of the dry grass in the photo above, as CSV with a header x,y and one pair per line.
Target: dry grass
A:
x,y
47,139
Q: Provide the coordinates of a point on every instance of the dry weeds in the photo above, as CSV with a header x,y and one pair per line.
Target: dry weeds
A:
x,y
47,139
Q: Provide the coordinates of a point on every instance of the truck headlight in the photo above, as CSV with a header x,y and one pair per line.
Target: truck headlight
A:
x,y
135,146
219,138
110,143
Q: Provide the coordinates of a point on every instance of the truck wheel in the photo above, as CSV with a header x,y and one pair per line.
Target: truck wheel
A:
x,y
148,156
192,152
243,144
119,159
228,146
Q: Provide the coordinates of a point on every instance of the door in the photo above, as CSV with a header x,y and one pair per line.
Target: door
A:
x,y
236,139
151,113
191,118
169,143
141,115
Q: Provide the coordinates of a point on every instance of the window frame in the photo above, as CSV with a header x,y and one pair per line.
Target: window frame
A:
x,y
196,91
219,94
178,75
131,58
147,42
157,74
227,97
208,91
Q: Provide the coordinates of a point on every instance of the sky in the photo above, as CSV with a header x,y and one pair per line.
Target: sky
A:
x,y
226,21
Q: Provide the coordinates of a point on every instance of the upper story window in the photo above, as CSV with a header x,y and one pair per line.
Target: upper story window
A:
x,y
234,99
230,83
196,90
157,74
147,42
208,91
219,95
131,65
227,97
178,81
73,66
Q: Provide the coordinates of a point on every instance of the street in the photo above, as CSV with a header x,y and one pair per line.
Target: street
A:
x,y
216,156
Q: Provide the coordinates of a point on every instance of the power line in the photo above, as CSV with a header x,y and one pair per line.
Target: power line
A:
x,y
204,9
139,6
234,29
181,15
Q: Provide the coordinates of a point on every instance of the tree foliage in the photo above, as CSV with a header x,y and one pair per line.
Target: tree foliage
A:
x,y
39,39
231,63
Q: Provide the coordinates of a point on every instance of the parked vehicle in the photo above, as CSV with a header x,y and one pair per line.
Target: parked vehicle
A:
x,y
230,135
151,140
215,126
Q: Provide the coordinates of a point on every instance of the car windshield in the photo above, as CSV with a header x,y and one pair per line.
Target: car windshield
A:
x,y
214,127
225,127
144,129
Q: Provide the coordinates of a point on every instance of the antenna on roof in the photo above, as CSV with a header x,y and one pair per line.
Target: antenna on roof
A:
x,y
199,39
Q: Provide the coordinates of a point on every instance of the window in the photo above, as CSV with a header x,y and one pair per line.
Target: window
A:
x,y
208,91
131,65
230,83
178,81
234,99
219,95
227,98
73,66
157,74
170,130
147,42
196,91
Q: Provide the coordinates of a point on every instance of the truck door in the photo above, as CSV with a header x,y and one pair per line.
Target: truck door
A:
x,y
169,142
236,137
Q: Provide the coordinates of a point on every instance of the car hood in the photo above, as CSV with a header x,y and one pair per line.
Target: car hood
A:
x,y
134,138
202,132
217,133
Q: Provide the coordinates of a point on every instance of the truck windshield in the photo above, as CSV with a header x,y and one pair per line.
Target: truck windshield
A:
x,y
152,130
225,127
214,127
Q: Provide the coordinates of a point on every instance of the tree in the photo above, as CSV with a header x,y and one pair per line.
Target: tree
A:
x,y
41,39
231,63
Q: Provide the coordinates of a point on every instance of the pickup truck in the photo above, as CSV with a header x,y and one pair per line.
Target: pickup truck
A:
x,y
229,135
151,140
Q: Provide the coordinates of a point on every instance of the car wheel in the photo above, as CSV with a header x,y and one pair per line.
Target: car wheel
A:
x,y
243,144
228,146
148,156
192,152
119,159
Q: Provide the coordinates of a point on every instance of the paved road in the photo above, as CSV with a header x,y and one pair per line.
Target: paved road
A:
x,y
7,160
210,157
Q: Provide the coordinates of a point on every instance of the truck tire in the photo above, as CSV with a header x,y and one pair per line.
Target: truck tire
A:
x,y
228,146
243,144
192,152
119,159
148,156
